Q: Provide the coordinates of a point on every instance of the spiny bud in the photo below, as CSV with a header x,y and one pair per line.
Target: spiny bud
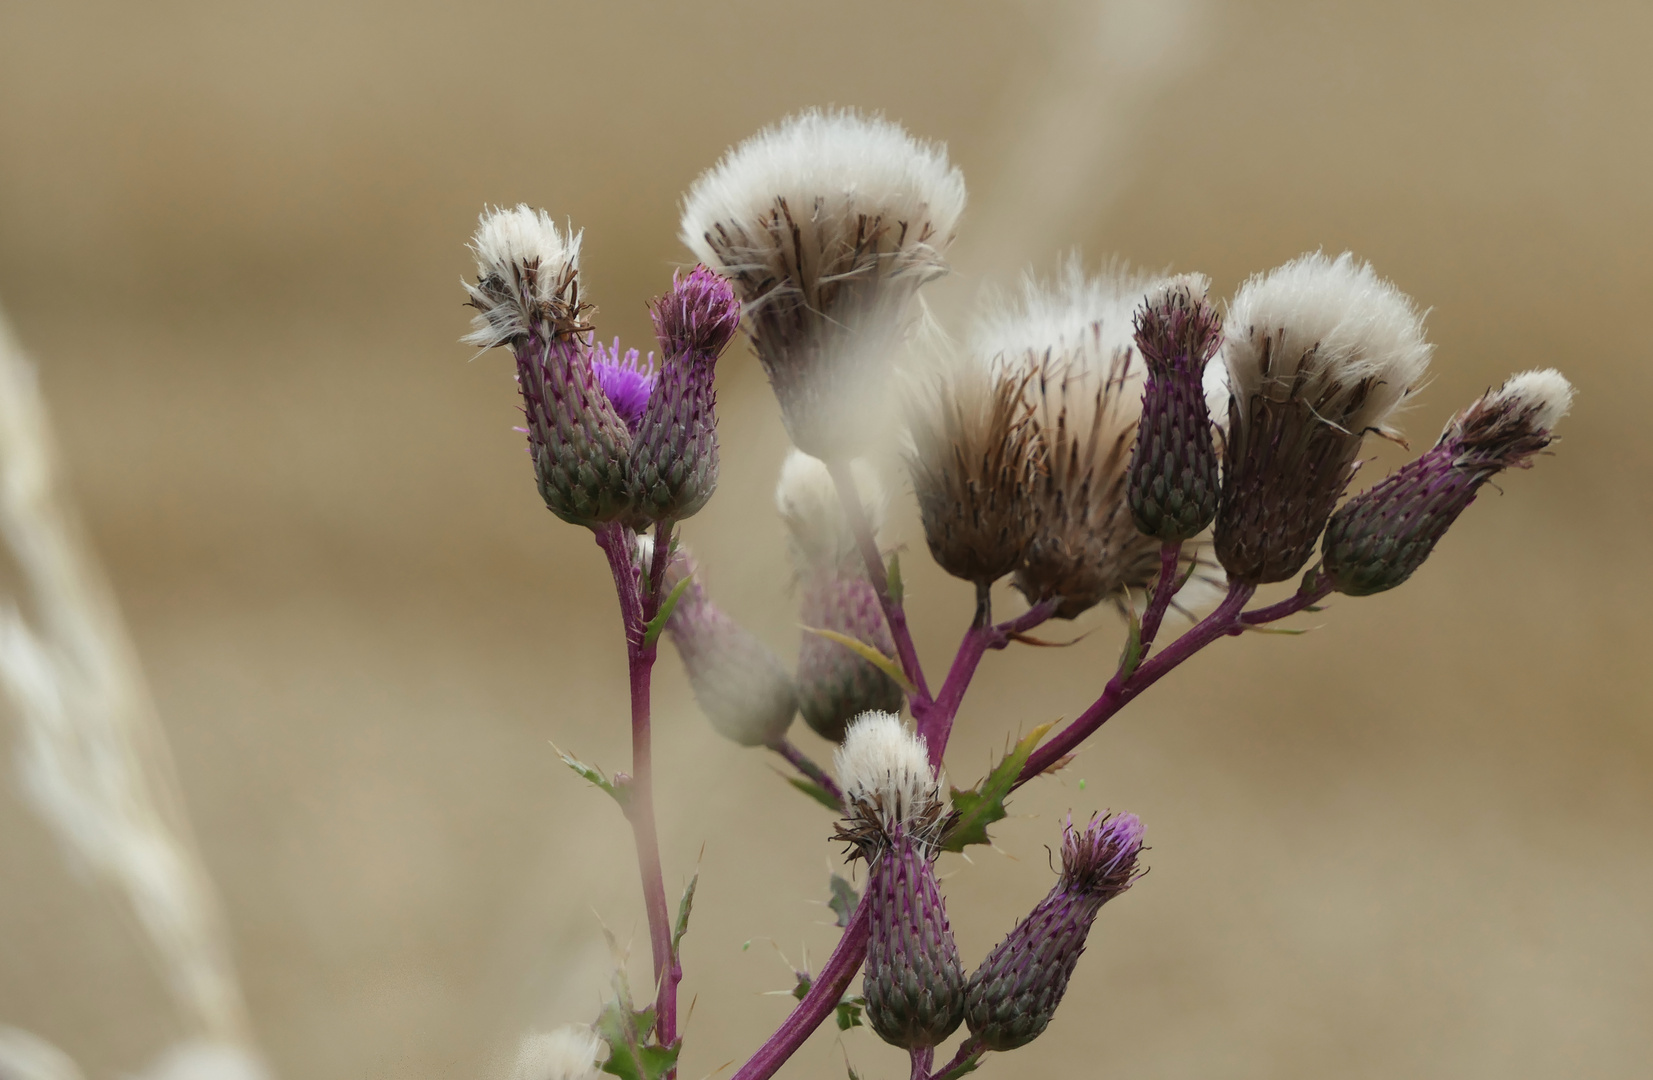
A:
x,y
914,984
827,223
527,295
738,682
1072,339
1173,487
674,458
1379,537
1319,352
1014,993
834,684
971,453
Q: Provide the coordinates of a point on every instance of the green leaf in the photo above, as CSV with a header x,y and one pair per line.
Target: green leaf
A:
x,y
631,1054
892,575
974,810
1285,630
592,774
968,1065
805,981
848,1012
651,632
1131,656
867,653
844,900
684,906
815,791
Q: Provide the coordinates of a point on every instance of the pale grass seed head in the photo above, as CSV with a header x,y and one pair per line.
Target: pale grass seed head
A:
x,y
1331,333
889,787
526,271
808,502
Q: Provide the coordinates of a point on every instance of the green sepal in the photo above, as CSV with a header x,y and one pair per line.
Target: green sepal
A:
x,y
867,653
844,899
684,906
892,577
651,632
974,810
594,776
817,792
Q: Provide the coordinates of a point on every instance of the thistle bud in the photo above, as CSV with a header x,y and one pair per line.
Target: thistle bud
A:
x,y
834,684
1379,537
1072,339
827,224
970,452
1173,484
738,682
914,984
674,459
1319,352
527,297
1015,992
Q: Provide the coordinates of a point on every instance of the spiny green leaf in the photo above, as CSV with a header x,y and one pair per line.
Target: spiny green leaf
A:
x,y
974,810
651,632
848,1012
684,906
968,1065
893,576
1131,656
805,981
631,1056
844,899
815,791
867,653
592,774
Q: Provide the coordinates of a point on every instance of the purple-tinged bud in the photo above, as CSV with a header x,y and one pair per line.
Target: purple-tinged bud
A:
x,y
1379,537
1173,488
738,682
1319,352
627,381
1014,993
674,462
913,983
834,684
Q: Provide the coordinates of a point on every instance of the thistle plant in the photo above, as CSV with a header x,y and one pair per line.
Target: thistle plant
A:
x,y
1105,440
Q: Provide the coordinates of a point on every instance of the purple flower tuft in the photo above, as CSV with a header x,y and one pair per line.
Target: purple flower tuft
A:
x,y
1100,859
700,314
627,380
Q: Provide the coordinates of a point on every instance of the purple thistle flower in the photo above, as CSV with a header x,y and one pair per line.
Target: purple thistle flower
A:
x,y
834,684
1173,485
1381,536
626,380
674,460
1013,995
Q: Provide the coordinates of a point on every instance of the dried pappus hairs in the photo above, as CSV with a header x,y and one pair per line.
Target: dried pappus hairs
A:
x,y
970,453
674,458
1012,996
738,682
1173,486
1318,352
914,983
807,500
570,1052
527,296
1381,536
827,223
1073,339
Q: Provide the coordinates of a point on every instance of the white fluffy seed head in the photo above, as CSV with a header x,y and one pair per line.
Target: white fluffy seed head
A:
x,y
1329,332
1075,317
570,1052
524,264
1544,394
807,500
884,771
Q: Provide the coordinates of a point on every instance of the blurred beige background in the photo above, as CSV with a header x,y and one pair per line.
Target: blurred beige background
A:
x,y
1416,842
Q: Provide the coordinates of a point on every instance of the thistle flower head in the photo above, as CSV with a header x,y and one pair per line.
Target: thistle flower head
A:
x,y
626,381
889,788
1099,858
1379,538
570,1052
1318,352
1073,339
699,316
827,224
807,500
526,274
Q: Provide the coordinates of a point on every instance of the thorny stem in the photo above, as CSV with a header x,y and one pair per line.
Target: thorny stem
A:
x,y
1169,556
615,540
969,1052
935,727
894,614
788,750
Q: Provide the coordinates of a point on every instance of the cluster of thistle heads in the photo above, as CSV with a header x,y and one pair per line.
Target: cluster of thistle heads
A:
x,y
1078,431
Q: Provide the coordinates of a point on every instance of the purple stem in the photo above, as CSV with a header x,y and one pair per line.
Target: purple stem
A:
x,y
844,480
922,1057
1164,590
1304,598
786,749
825,991
615,540
969,1050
